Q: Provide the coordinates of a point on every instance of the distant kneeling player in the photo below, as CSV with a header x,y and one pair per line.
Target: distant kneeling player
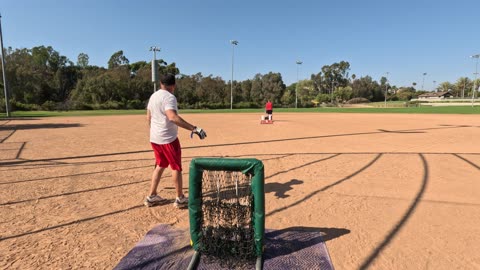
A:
x,y
269,109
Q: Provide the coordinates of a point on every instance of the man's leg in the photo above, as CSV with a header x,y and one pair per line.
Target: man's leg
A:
x,y
178,181
181,201
153,198
157,174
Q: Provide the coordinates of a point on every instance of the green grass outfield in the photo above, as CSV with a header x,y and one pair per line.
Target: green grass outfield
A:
x,y
429,110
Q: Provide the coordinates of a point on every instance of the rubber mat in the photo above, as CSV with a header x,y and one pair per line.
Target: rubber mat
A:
x,y
167,248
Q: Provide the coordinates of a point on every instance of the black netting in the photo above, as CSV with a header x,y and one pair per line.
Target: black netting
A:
x,y
227,227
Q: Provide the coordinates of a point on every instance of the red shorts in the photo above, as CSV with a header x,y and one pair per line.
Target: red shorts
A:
x,y
168,154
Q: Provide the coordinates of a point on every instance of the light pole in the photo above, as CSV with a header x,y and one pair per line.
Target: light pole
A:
x,y
7,108
234,43
154,49
386,88
434,86
475,81
423,81
296,87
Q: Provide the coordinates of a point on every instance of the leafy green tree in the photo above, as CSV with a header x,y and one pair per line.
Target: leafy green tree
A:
x,y
405,93
256,92
306,93
138,65
246,87
213,90
117,59
165,68
475,84
343,93
48,58
236,91
335,74
273,87
318,83
367,88
288,97
447,86
323,98
82,60
36,74
186,86
64,81
462,85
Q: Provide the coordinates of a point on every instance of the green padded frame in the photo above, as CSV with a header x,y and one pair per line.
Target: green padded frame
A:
x,y
250,166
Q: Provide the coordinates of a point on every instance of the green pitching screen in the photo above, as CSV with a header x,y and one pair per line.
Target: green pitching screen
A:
x,y
226,204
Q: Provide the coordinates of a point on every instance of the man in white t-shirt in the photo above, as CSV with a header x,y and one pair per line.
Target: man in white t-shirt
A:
x,y
164,121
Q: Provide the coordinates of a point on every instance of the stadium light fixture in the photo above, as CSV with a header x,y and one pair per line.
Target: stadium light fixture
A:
x,y
234,43
476,56
154,49
296,87
7,107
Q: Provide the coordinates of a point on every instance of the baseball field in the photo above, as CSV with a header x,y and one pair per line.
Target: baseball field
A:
x,y
387,191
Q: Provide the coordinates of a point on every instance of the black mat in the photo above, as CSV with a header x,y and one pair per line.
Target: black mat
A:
x,y
167,248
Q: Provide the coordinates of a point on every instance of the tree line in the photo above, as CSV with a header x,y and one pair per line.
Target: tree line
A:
x,y
41,78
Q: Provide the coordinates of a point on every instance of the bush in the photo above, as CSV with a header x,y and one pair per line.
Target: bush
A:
x,y
246,105
49,105
111,105
328,105
393,98
184,106
212,106
81,106
63,106
323,98
307,105
135,104
415,103
18,106
2,105
405,95
358,100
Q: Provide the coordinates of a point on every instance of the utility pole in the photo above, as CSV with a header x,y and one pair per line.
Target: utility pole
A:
x,y
423,81
475,81
296,86
7,107
154,49
234,43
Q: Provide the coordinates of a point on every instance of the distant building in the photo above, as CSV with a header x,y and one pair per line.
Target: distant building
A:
x,y
435,95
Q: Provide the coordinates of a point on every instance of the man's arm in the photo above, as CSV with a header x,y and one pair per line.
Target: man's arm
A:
x,y
175,118
149,117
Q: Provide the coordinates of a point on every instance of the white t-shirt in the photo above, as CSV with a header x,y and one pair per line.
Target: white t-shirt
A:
x,y
162,130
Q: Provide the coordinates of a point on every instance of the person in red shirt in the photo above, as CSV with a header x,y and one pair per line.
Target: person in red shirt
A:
x,y
269,109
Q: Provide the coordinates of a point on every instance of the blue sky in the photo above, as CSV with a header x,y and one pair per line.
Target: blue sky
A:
x,y
403,37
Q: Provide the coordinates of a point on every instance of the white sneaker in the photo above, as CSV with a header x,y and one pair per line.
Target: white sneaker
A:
x,y
181,202
153,200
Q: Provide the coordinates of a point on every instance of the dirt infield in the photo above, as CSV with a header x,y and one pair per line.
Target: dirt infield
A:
x,y
388,191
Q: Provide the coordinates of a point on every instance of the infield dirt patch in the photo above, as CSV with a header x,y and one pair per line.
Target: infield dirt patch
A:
x,y
388,191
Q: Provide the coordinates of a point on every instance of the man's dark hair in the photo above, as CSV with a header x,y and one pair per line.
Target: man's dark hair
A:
x,y
167,79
